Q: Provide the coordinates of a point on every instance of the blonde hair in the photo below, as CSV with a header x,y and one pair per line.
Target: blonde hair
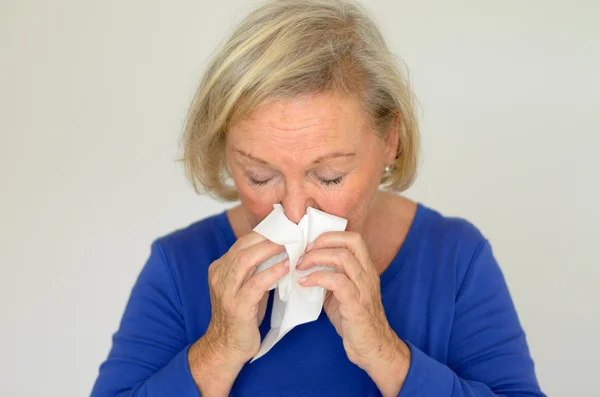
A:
x,y
289,48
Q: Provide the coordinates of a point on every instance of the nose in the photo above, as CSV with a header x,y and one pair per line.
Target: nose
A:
x,y
295,201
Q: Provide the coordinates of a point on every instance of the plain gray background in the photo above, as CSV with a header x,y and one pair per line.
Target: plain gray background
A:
x,y
92,101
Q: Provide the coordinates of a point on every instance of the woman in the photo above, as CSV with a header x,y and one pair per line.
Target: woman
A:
x,y
305,107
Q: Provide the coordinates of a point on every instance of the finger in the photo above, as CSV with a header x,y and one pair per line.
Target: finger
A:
x,y
255,287
218,269
340,259
342,288
247,259
246,241
352,241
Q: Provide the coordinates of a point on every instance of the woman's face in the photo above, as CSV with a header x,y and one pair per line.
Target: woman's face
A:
x,y
317,150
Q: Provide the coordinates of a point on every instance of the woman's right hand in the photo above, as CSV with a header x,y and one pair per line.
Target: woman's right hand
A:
x,y
239,300
239,297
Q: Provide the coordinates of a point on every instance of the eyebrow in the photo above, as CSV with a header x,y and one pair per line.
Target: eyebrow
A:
x,y
316,161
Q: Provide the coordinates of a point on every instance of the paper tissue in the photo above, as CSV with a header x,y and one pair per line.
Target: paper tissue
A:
x,y
294,304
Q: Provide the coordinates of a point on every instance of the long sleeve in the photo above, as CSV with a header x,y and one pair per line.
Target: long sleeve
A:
x,y
148,357
488,351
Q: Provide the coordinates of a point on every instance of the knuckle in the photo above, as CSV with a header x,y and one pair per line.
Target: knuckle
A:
x,y
344,255
243,257
243,241
254,283
338,280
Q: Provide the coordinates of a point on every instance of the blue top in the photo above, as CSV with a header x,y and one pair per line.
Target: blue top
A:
x,y
443,294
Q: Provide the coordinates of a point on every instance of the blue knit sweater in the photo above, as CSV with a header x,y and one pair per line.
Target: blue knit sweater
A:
x,y
443,294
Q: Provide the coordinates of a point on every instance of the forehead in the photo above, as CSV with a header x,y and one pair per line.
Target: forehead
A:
x,y
318,115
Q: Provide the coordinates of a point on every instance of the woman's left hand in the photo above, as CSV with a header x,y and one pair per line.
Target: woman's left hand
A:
x,y
353,304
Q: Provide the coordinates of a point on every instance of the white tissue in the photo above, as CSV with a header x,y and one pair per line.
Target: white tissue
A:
x,y
294,304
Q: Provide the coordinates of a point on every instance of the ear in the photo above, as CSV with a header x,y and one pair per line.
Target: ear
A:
x,y
391,142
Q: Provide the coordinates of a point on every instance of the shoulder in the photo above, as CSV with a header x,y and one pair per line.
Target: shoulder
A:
x,y
200,242
427,226
453,242
452,230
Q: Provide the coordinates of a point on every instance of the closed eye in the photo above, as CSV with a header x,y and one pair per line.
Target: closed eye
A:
x,y
325,182
329,182
255,182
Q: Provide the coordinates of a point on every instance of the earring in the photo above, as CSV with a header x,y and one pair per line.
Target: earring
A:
x,y
388,169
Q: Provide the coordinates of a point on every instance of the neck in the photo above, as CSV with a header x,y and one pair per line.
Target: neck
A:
x,y
386,227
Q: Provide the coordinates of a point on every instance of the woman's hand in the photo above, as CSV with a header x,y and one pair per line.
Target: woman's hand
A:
x,y
239,300
353,304
239,297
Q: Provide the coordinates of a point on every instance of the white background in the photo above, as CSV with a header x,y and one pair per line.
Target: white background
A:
x,y
92,101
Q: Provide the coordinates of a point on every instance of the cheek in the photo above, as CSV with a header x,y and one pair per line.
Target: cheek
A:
x,y
256,206
355,201
353,205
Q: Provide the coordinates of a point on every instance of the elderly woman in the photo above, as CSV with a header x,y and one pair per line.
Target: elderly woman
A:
x,y
305,107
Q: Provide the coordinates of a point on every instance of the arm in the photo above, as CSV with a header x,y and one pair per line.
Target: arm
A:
x,y
149,355
488,352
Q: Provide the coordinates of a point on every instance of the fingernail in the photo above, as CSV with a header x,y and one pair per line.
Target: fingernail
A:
x,y
300,261
310,246
302,280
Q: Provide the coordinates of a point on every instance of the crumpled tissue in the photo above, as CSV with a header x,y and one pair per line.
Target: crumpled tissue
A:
x,y
294,304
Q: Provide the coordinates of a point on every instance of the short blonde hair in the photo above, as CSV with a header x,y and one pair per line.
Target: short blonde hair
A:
x,y
289,48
